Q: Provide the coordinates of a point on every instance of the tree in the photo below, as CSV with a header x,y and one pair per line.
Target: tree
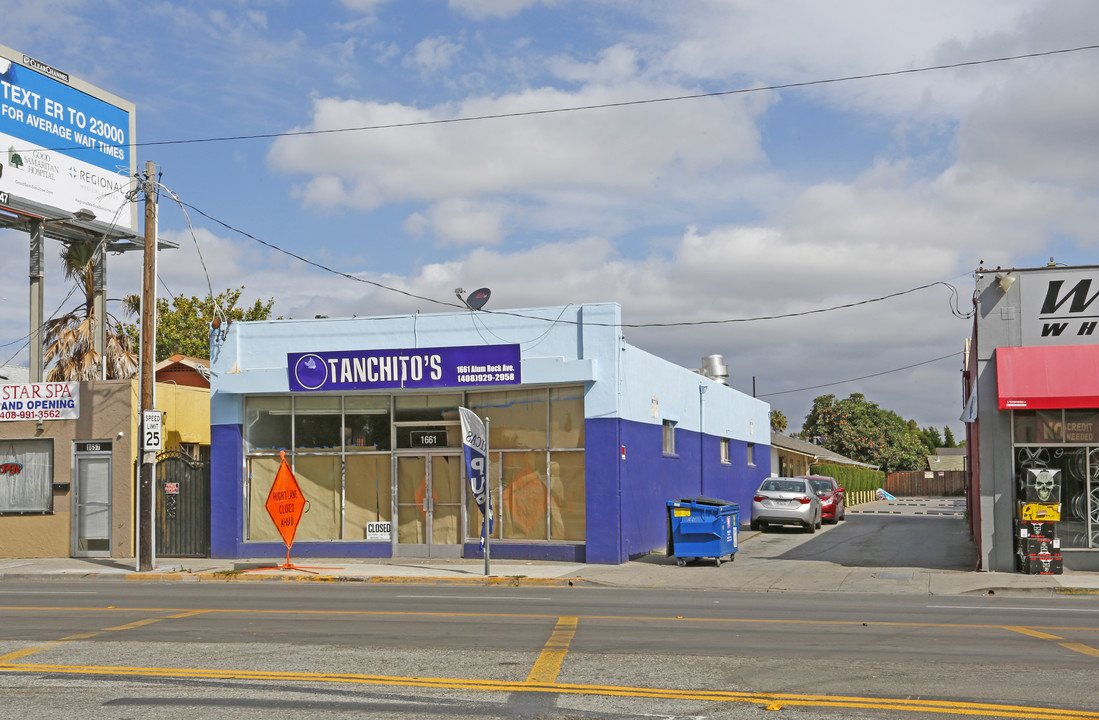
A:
x,y
69,341
948,438
930,438
860,430
183,325
778,421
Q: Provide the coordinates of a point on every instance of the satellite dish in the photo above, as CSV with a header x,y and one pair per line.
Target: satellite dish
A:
x,y
478,298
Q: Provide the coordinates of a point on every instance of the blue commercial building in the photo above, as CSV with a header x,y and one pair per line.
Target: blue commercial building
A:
x,y
588,435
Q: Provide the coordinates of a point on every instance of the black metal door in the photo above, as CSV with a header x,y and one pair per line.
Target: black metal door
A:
x,y
182,506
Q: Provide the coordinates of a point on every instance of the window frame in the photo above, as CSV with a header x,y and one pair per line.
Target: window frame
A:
x,y
668,428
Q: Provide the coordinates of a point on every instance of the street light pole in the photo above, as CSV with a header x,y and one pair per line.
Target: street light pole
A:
x,y
145,507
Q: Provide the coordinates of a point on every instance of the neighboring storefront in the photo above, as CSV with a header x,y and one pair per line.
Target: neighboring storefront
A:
x,y
67,463
1031,383
588,436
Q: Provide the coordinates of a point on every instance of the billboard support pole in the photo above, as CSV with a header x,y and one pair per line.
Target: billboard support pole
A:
x,y
37,277
148,333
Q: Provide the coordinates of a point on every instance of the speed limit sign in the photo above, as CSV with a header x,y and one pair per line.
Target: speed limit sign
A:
x,y
152,435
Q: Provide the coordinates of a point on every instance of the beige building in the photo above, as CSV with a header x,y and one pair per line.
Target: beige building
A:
x,y
68,458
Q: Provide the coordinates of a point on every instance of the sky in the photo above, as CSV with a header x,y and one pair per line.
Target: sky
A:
x,y
737,201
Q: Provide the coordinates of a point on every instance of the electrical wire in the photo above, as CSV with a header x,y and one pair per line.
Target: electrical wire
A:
x,y
683,323
603,106
863,377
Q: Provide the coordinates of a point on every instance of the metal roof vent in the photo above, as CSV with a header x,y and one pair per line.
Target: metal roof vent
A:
x,y
714,367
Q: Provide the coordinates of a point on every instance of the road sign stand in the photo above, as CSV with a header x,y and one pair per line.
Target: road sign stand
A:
x,y
285,504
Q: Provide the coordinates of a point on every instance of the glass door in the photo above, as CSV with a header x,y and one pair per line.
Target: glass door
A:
x,y
91,533
429,506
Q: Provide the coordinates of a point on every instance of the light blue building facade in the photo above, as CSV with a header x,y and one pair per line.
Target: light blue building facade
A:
x,y
588,435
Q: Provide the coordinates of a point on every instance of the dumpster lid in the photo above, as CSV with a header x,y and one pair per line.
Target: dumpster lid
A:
x,y
705,501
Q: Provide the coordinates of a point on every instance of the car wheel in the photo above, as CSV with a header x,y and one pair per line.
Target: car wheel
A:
x,y
754,524
819,521
810,527
843,515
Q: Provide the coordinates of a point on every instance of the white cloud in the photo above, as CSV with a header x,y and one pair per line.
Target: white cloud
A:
x,y
461,222
618,63
606,150
433,54
492,9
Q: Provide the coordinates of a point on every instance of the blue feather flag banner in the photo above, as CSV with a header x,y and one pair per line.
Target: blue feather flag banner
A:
x,y
475,450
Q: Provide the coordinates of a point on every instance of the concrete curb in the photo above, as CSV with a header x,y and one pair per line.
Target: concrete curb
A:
x,y
240,576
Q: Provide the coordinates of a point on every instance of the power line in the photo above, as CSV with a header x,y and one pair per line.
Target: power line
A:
x,y
864,377
685,323
602,106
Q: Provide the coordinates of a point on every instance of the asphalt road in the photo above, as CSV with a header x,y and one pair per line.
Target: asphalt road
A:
x,y
241,650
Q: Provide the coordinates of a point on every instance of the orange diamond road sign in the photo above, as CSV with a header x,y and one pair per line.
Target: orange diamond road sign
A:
x,y
285,503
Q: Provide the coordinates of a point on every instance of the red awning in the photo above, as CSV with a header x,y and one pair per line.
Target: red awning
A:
x,y
1046,378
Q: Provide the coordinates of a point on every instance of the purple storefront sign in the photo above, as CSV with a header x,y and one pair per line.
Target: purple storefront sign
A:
x,y
411,368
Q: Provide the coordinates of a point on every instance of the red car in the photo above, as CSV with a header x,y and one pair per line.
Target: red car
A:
x,y
833,503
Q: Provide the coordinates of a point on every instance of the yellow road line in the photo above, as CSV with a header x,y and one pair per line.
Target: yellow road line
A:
x,y
1080,648
183,612
1074,646
1032,632
503,686
15,655
548,665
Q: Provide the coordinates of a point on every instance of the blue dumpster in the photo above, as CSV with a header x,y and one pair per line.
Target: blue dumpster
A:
x,y
702,528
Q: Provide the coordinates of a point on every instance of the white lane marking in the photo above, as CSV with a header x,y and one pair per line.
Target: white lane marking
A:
x,y
1006,607
469,597
48,592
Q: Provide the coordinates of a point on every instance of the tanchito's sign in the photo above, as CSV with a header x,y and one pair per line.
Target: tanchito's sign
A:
x,y
40,401
464,366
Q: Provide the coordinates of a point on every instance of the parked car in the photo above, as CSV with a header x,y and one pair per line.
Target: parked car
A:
x,y
833,500
786,501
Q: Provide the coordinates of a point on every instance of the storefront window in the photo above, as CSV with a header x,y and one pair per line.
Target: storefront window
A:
x,y
1075,471
523,500
343,462
26,474
517,418
316,423
366,423
568,504
566,417
368,493
426,408
318,477
267,424
261,476
1081,426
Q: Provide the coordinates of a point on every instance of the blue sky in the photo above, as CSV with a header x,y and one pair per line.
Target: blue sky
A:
x,y
737,206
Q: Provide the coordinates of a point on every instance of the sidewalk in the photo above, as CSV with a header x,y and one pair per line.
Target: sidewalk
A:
x,y
746,573
755,568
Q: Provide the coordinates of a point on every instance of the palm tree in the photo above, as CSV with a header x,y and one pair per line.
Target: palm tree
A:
x,y
69,341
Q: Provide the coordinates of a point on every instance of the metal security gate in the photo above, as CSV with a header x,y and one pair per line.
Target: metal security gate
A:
x,y
182,506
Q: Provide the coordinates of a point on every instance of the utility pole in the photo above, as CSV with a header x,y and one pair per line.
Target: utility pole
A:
x,y
148,339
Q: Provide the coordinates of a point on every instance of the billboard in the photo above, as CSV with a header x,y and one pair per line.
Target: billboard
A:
x,y
64,144
1059,308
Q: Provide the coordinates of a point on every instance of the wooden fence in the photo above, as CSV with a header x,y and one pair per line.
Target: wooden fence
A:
x,y
941,483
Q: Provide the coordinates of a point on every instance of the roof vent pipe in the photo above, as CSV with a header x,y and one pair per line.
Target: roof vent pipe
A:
x,y
714,367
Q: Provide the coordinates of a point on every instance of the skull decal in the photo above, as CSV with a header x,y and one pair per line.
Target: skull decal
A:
x,y
1043,485
1046,563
